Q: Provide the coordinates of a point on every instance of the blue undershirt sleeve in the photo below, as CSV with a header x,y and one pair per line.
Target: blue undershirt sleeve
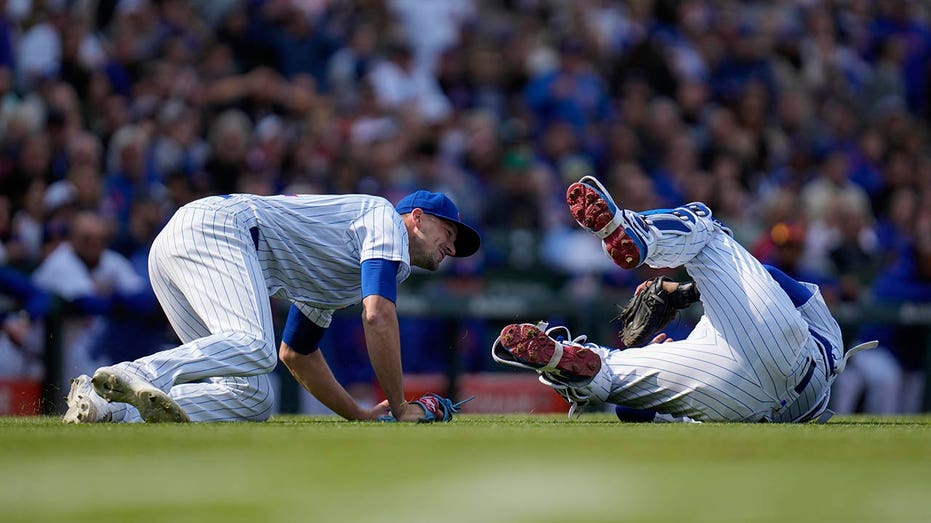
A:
x,y
301,334
380,277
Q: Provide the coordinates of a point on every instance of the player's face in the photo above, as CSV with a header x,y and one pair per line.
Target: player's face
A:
x,y
432,240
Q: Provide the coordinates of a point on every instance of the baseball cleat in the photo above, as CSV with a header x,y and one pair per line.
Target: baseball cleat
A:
x,y
529,345
84,404
154,406
593,209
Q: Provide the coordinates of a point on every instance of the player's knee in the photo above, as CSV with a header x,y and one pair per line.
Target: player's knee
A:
x,y
262,409
263,354
256,397
269,358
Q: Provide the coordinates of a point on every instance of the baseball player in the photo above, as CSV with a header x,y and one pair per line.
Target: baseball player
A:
x,y
213,268
766,348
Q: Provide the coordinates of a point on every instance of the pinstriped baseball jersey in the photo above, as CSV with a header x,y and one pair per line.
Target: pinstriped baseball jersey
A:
x,y
213,268
311,247
749,355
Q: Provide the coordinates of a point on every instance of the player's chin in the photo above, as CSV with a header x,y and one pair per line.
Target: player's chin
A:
x,y
428,264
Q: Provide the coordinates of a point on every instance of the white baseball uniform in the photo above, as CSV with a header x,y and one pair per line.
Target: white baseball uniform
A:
x,y
753,356
215,265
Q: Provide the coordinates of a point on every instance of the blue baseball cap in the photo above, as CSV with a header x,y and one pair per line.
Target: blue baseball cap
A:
x,y
439,205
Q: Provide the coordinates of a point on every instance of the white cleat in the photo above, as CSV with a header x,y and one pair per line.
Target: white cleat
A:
x,y
154,406
84,404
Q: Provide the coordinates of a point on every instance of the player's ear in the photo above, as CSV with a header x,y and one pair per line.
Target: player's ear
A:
x,y
417,216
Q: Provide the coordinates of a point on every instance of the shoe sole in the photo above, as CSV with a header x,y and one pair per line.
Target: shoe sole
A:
x,y
79,406
591,210
153,405
531,346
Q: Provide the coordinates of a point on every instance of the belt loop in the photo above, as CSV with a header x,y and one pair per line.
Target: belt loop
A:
x,y
825,347
254,232
807,378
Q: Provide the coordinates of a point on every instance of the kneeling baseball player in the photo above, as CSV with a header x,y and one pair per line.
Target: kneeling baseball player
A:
x,y
766,348
214,267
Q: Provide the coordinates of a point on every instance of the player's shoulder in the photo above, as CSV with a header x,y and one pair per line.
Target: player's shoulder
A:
x,y
370,200
373,200
344,202
367,209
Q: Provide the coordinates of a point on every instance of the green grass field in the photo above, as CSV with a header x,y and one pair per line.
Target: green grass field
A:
x,y
532,469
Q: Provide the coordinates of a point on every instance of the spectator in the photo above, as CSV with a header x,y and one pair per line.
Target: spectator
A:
x,y
6,40
20,347
349,66
302,43
177,146
854,252
32,166
13,249
895,19
572,93
431,27
129,177
93,279
400,85
833,183
893,379
39,48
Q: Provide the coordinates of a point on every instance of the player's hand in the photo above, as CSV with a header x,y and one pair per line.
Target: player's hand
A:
x,y
409,412
668,286
429,408
660,338
643,285
382,409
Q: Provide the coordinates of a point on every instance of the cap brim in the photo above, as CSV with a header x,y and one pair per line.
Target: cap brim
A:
x,y
467,240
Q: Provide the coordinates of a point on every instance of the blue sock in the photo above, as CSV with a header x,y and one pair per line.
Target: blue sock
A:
x,y
797,292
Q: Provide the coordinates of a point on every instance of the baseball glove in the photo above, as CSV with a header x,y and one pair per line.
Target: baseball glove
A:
x,y
651,309
435,408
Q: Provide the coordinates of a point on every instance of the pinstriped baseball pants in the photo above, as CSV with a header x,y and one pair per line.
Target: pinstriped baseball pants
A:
x,y
207,277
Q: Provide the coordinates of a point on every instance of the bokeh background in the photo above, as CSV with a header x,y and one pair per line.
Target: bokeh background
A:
x,y
803,124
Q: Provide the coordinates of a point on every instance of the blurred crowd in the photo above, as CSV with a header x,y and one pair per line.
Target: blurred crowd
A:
x,y
803,124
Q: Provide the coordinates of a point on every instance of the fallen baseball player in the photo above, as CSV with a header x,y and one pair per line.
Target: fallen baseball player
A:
x,y
766,348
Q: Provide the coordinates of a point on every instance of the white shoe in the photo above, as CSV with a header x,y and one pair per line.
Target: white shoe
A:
x,y
84,404
154,406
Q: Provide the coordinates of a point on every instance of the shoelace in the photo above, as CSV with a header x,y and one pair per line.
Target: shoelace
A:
x,y
574,395
570,393
578,340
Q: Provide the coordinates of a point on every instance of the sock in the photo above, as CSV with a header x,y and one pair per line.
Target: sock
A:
x,y
798,293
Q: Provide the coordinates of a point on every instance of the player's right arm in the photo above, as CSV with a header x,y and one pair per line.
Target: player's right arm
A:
x,y
313,373
300,354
